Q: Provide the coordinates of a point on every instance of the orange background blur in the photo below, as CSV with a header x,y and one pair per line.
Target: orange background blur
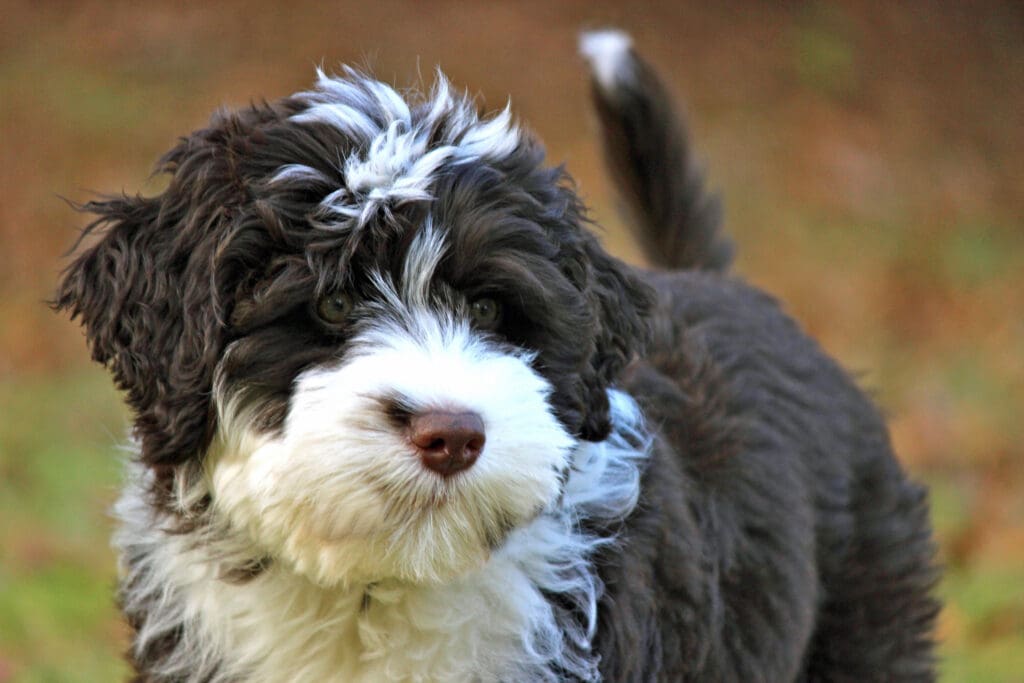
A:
x,y
870,155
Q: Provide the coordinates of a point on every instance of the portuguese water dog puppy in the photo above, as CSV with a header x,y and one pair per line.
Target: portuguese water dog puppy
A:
x,y
398,416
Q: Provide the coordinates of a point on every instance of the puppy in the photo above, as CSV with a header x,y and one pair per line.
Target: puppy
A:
x,y
398,416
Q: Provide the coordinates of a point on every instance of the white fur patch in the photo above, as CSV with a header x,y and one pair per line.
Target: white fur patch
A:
x,y
397,150
493,623
341,495
607,51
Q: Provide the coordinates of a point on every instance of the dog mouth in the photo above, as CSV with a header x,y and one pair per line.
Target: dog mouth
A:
x,y
431,492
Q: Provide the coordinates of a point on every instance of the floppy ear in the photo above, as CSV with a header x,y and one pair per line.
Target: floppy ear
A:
x,y
607,327
620,304
144,297
106,284
155,290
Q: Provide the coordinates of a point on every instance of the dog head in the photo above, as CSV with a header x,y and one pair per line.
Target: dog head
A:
x,y
372,326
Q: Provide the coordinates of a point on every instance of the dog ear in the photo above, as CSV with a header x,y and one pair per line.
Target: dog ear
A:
x,y
610,327
620,305
155,291
143,294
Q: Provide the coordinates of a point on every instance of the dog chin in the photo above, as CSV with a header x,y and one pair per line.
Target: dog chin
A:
x,y
338,492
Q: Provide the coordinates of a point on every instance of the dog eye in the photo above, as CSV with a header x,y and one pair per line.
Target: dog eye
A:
x,y
485,313
334,308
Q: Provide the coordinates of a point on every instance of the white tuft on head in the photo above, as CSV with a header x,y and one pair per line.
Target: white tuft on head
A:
x,y
397,148
607,51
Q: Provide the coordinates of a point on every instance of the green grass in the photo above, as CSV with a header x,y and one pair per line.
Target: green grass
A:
x,y
997,661
59,469
983,625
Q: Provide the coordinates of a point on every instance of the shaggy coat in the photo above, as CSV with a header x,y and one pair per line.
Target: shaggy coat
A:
x,y
669,481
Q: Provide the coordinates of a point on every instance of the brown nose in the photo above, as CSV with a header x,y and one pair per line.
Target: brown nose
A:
x,y
447,442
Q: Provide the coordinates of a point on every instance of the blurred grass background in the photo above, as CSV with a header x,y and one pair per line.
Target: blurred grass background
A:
x,y
871,156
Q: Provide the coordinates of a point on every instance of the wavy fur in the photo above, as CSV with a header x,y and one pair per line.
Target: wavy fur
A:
x,y
673,482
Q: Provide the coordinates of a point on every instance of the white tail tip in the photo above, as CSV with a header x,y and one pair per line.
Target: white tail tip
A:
x,y
607,50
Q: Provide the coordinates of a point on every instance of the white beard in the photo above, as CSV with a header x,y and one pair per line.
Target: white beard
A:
x,y
339,494
489,623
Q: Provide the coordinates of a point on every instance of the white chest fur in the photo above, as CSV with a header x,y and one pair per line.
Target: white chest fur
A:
x,y
492,624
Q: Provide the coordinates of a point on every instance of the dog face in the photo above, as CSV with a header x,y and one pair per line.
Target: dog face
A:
x,y
372,327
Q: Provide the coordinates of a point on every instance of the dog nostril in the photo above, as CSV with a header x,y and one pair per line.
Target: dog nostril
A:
x,y
447,442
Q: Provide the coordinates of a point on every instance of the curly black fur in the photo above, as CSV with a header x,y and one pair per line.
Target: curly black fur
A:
x,y
776,539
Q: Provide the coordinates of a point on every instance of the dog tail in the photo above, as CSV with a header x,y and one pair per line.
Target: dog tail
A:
x,y
648,152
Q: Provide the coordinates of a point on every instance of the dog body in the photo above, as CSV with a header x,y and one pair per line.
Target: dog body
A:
x,y
399,416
